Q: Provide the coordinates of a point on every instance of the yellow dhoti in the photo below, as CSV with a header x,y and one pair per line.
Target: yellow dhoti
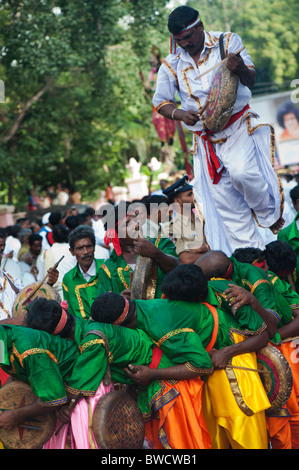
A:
x,y
234,405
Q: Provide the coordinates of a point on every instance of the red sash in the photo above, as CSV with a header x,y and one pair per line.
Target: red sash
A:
x,y
215,165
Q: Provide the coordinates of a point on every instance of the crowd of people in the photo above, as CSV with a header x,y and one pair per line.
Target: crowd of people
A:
x,y
172,297
205,316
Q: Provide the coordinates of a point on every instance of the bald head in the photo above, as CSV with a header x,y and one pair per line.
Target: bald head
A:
x,y
213,263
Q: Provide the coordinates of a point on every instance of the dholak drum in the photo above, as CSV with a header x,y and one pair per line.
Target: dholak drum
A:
x,y
222,97
117,422
45,291
17,394
279,382
144,280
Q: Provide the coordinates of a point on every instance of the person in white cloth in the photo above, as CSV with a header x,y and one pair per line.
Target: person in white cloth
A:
x,y
234,177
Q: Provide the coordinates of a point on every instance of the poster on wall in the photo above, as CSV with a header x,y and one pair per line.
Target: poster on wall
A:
x,y
279,111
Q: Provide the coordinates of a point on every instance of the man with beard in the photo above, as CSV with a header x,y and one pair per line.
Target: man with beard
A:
x,y
80,284
187,227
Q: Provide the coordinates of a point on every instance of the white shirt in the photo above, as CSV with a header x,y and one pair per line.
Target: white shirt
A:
x,y
178,73
7,297
91,271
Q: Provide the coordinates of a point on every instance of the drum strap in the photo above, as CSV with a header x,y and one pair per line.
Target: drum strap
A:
x,y
221,45
216,325
107,377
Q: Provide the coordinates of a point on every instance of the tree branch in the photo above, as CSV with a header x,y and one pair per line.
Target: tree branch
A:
x,y
17,122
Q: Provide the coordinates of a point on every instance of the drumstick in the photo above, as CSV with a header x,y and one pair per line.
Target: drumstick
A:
x,y
72,405
40,284
260,371
28,426
219,63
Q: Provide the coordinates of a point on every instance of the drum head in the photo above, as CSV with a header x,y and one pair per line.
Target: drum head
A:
x,y
222,97
279,382
117,422
17,394
44,291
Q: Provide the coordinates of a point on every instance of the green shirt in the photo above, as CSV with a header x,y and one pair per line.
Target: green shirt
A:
x,y
256,281
184,329
247,318
114,275
43,361
126,346
286,298
79,293
290,234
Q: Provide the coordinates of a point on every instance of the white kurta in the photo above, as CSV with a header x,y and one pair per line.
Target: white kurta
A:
x,y
248,184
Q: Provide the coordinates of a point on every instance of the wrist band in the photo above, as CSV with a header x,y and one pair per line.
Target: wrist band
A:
x,y
173,113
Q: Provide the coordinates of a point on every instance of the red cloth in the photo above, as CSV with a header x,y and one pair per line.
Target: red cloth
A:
x,y
215,166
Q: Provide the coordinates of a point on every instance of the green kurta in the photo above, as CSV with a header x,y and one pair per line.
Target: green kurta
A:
x,y
126,346
286,298
256,281
290,234
78,293
184,329
245,315
115,273
43,361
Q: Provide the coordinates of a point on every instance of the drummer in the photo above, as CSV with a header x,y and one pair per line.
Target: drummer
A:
x,y
284,431
233,176
40,360
182,401
174,325
115,273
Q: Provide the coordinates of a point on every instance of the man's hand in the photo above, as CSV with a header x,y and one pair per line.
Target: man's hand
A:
x,y
53,274
8,419
238,296
219,358
235,63
190,118
126,294
144,247
63,414
141,375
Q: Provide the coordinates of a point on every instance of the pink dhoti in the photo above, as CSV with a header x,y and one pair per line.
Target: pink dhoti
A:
x,y
78,433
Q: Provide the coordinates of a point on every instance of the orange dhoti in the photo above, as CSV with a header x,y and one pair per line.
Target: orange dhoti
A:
x,y
177,421
284,430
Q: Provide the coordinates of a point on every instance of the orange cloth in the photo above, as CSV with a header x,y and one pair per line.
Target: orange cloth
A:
x,y
284,432
178,422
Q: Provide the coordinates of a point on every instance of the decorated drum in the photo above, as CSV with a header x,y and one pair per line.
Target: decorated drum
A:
x,y
17,394
222,97
279,382
46,291
144,279
117,422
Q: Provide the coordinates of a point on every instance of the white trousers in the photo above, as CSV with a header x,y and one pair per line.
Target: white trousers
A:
x,y
248,184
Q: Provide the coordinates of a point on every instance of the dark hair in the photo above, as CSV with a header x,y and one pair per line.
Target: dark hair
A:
x,y
89,212
185,282
83,231
180,18
157,200
286,108
55,218
82,218
249,255
43,314
60,233
280,256
2,233
111,218
71,222
13,230
33,238
294,193
107,308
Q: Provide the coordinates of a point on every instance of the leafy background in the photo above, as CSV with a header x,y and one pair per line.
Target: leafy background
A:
x,y
75,109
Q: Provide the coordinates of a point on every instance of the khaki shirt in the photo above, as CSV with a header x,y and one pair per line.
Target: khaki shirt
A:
x,y
187,232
